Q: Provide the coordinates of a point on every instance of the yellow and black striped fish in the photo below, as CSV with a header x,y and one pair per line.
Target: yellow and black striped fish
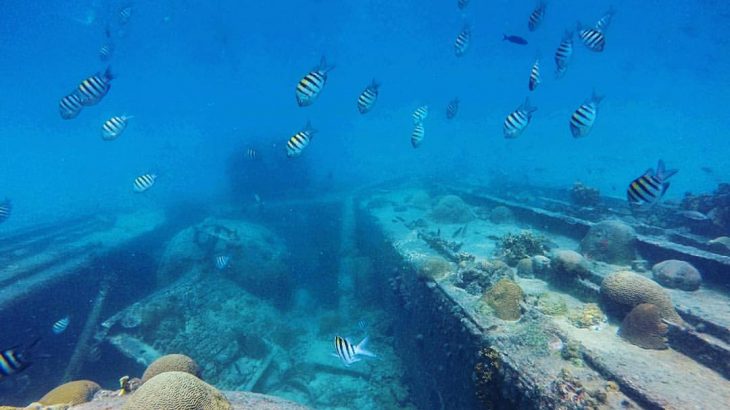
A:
x,y
518,120
94,88
6,207
350,353
15,359
417,135
420,114
534,76
461,44
583,118
70,106
299,141
563,54
114,127
452,109
650,187
311,84
536,17
368,97
593,39
144,182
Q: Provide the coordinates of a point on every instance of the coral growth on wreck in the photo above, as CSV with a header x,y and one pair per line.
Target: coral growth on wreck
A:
x,y
434,268
568,265
71,393
677,275
611,242
171,363
589,315
625,290
501,215
505,297
643,327
526,244
177,390
584,195
451,209
551,304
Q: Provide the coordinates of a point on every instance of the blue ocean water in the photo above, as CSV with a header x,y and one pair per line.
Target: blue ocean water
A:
x,y
204,81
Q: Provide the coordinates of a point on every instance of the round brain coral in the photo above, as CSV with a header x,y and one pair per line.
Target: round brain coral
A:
x,y
505,297
75,392
171,363
627,290
451,209
177,391
644,327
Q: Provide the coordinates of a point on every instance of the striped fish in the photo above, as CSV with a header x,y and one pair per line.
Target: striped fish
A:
x,y
106,51
518,120
299,141
417,135
534,76
536,17
114,127
650,187
221,261
94,88
311,84
15,359
582,120
6,207
452,109
420,114
563,54
461,44
60,325
251,154
144,182
592,38
350,353
70,106
461,4
125,13
368,97
605,21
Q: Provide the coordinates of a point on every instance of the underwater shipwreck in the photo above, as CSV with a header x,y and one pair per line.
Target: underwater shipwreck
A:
x,y
471,300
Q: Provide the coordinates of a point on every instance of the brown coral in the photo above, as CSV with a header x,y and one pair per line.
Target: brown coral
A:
x,y
569,264
178,391
75,392
434,268
627,290
171,363
505,297
644,327
610,241
451,209
677,275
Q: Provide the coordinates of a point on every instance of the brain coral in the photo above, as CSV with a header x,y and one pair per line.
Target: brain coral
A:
x,y
610,241
644,327
677,275
627,289
177,391
451,209
75,392
569,264
505,297
171,363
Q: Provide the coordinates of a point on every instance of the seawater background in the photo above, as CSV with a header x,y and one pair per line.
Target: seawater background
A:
x,y
203,78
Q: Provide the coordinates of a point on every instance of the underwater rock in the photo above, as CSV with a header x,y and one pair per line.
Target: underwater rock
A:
x,y
584,195
569,264
513,247
643,327
501,215
626,290
505,297
451,209
524,268
589,315
71,393
177,390
677,274
611,242
551,304
171,363
721,243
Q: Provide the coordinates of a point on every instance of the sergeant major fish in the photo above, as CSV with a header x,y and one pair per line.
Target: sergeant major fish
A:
x,y
368,97
70,106
452,109
114,127
417,135
350,353
144,182
650,187
593,39
420,114
221,261
534,76
563,54
461,44
6,207
583,118
15,359
605,21
299,141
518,120
309,87
536,17
60,325
94,88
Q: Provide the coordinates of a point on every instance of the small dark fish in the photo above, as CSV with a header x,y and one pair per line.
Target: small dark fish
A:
x,y
299,141
518,120
707,170
461,44
94,88
6,207
107,48
452,109
457,232
311,84
368,97
400,218
514,39
582,120
650,187
593,39
15,359
536,17
238,369
695,215
535,79
463,232
70,106
563,54
417,135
